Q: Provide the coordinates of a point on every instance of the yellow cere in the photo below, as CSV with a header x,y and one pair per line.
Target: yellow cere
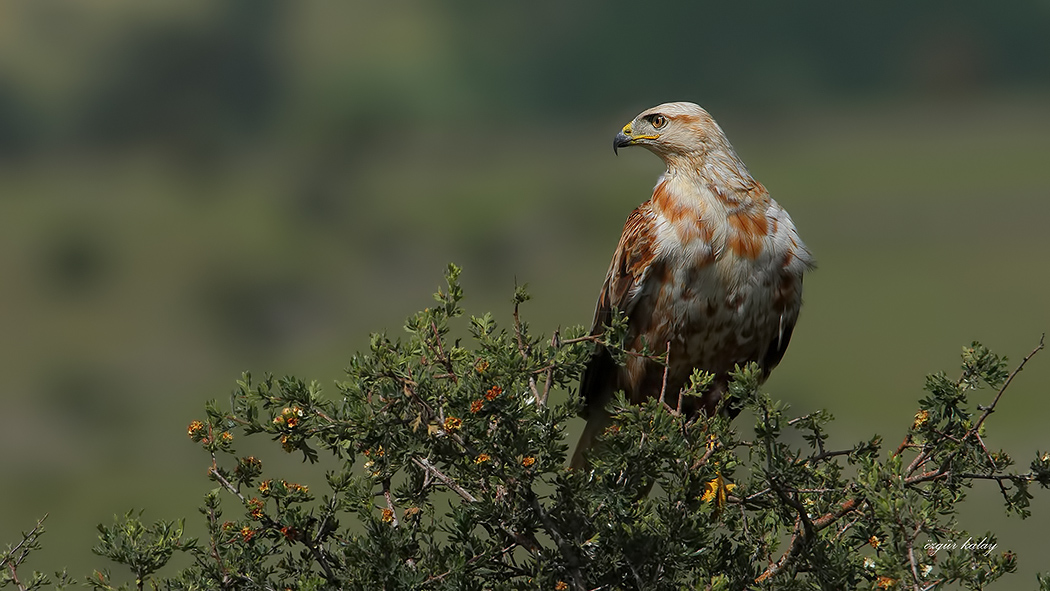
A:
x,y
627,131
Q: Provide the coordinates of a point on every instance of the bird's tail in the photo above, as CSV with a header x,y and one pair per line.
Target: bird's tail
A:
x,y
596,424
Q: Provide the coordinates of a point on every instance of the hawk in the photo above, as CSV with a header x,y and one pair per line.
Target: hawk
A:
x,y
708,270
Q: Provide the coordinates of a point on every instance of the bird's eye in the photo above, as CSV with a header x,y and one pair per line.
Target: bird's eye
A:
x,y
659,121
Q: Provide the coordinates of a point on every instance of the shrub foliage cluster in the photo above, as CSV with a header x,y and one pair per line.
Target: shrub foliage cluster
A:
x,y
450,473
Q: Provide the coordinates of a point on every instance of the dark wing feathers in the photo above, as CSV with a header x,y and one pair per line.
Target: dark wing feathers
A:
x,y
777,348
623,290
790,288
631,260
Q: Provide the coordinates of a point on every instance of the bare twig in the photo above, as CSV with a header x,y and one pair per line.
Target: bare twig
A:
x,y
564,547
903,446
214,519
436,578
663,383
321,558
517,332
828,454
924,455
797,541
524,541
792,502
796,420
429,413
829,518
598,339
12,562
920,459
14,576
443,357
754,496
946,462
845,528
926,476
315,550
987,453
389,501
521,540
976,426
594,338
707,455
523,349
1029,477
451,484
214,472
548,377
914,567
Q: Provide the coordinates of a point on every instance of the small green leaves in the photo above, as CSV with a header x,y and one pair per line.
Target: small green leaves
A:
x,y
15,554
143,549
981,364
449,298
444,468
521,294
614,335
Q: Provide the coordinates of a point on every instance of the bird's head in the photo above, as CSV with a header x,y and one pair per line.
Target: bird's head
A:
x,y
672,130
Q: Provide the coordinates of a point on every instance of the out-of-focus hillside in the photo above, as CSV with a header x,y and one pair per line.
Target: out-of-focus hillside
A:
x,y
189,190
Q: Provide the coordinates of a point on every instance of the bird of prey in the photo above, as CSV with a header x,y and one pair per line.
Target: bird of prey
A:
x,y
708,270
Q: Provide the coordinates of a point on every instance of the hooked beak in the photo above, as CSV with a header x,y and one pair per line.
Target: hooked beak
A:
x,y
627,137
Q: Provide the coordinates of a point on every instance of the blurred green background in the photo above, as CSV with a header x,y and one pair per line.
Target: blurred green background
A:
x,y
193,189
